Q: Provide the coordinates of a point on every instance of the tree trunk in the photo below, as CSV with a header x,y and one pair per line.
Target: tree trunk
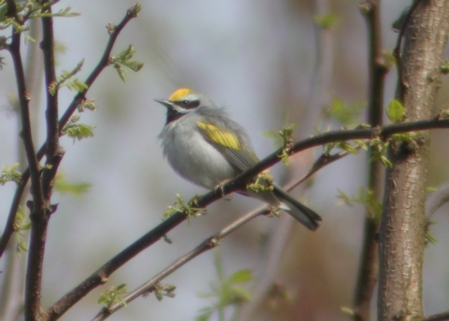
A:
x,y
403,223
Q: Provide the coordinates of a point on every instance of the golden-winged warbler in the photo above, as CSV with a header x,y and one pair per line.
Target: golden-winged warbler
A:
x,y
206,147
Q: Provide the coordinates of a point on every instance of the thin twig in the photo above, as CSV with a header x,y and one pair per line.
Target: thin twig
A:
x,y
103,63
206,245
444,316
437,199
101,275
38,208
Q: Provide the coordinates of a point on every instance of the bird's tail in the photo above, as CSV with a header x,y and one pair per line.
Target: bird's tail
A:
x,y
299,211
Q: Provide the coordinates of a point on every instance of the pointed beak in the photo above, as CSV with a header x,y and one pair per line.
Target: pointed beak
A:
x,y
165,103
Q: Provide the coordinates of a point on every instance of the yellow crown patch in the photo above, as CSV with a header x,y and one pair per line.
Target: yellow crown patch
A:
x,y
177,95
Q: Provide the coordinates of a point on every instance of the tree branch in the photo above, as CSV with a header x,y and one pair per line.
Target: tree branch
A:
x,y
438,317
397,49
39,226
214,240
101,275
38,208
368,269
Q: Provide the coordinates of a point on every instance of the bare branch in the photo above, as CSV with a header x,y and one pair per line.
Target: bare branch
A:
x,y
206,245
368,269
437,199
438,317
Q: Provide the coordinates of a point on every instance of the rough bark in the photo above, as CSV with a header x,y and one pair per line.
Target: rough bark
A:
x,y
403,223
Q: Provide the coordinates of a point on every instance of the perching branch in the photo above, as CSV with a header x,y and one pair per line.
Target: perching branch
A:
x,y
101,275
103,63
213,241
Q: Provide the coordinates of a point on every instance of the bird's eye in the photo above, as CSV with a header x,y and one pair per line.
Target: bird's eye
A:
x,y
190,104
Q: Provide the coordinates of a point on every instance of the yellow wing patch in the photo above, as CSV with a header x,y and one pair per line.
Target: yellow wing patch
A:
x,y
220,136
177,95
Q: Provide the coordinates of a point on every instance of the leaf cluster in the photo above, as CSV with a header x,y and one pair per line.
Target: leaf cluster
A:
x,y
227,292
64,187
77,131
189,209
346,114
367,199
167,290
67,80
123,59
10,174
21,224
113,295
263,183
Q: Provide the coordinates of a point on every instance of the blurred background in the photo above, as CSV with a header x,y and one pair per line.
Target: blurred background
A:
x,y
269,64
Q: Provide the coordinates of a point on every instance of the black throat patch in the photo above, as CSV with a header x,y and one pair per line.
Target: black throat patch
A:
x,y
172,115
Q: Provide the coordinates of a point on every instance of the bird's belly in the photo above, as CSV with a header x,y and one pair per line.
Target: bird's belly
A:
x,y
198,161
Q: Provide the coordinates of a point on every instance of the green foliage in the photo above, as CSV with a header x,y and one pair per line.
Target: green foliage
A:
x,y
444,67
395,111
378,150
30,9
345,146
443,114
346,114
189,209
429,237
77,131
389,59
164,290
278,294
326,21
263,183
286,134
124,59
10,174
367,199
21,224
348,312
61,13
113,295
67,80
63,187
227,292
87,104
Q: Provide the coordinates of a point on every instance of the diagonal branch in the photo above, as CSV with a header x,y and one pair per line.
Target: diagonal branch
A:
x,y
101,275
213,241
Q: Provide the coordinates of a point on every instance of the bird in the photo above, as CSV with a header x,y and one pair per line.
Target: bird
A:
x,y
206,147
